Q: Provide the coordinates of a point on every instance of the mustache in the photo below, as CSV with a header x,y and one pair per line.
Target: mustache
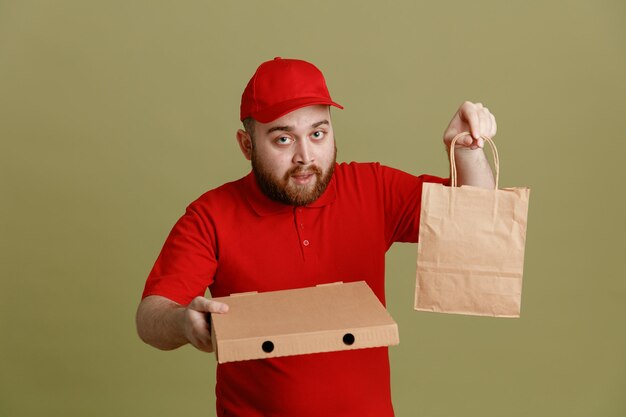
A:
x,y
311,169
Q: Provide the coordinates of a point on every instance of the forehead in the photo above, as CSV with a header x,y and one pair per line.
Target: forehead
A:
x,y
299,118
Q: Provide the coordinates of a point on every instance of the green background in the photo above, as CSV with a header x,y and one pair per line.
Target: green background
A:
x,y
114,115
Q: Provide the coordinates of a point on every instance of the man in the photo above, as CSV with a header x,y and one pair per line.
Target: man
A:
x,y
297,220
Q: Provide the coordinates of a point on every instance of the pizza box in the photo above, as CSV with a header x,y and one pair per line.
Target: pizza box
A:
x,y
326,318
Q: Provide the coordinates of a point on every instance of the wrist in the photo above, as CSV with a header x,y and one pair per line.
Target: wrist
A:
x,y
180,323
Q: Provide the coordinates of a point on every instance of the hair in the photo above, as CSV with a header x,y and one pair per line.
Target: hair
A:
x,y
248,126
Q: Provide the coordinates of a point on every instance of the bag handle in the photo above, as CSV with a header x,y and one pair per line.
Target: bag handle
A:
x,y
494,150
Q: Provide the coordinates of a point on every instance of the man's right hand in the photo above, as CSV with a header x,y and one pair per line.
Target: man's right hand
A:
x,y
168,325
197,324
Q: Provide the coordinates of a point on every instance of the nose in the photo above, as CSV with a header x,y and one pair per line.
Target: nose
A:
x,y
303,153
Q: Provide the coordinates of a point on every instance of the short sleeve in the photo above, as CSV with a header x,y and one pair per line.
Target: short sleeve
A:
x,y
402,195
187,263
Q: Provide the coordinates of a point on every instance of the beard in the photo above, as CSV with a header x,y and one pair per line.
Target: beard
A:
x,y
281,190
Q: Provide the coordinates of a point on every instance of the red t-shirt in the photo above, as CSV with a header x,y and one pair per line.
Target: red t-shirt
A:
x,y
235,239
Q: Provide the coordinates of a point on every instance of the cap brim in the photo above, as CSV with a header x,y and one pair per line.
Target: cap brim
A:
x,y
281,109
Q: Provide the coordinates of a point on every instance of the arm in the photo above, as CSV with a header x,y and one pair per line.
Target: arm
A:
x,y
471,162
167,325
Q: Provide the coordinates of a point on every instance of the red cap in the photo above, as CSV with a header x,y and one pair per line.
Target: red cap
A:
x,y
281,86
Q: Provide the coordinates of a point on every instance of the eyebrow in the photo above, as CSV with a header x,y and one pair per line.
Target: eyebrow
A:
x,y
290,128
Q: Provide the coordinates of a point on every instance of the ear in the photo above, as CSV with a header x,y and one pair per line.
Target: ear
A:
x,y
245,143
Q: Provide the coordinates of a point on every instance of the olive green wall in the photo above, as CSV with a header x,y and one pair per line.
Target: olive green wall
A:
x,y
114,115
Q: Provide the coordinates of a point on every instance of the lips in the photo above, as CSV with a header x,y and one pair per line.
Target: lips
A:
x,y
303,174
303,178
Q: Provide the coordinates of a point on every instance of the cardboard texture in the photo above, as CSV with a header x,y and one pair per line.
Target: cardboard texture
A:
x,y
330,317
470,256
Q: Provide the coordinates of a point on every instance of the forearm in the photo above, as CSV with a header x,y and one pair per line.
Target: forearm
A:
x,y
160,322
473,168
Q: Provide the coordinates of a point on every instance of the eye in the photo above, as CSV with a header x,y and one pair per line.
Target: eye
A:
x,y
319,134
284,140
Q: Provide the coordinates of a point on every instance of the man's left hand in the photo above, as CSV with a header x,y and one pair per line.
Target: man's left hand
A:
x,y
472,117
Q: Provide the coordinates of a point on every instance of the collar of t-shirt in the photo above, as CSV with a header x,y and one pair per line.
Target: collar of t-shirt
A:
x,y
265,206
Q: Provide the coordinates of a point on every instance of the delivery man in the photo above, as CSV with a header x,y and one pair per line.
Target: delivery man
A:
x,y
298,219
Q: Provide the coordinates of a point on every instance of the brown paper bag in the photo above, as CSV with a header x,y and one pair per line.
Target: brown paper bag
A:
x,y
470,254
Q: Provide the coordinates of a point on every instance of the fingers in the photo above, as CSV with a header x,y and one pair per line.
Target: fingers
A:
x,y
197,330
206,305
485,125
469,113
197,321
481,122
494,126
217,307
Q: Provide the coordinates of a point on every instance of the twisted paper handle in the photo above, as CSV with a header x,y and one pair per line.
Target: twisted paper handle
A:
x,y
494,150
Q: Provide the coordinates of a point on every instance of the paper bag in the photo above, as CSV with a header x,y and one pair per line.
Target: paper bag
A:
x,y
470,254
